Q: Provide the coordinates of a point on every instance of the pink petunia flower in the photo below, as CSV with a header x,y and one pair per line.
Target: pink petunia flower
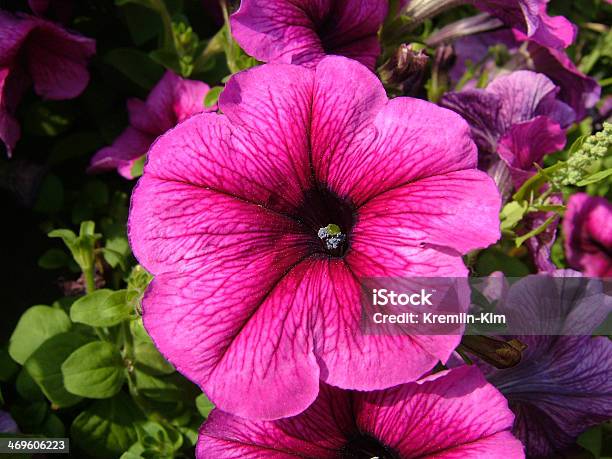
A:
x,y
33,50
303,32
171,101
258,224
588,234
452,414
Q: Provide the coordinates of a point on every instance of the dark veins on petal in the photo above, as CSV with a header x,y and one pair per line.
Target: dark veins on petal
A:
x,y
366,447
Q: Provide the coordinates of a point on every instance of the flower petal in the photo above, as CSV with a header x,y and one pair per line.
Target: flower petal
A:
x,y
451,414
395,150
526,144
131,145
317,432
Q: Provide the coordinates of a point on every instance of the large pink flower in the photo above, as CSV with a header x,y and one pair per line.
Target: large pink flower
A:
x,y
171,101
255,298
38,51
304,31
452,414
588,234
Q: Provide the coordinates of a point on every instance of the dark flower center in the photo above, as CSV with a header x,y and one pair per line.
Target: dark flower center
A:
x,y
366,447
329,219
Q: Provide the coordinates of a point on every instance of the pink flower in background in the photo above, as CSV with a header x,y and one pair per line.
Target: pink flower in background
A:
x,y
530,17
258,224
33,50
303,32
527,16
517,117
171,101
588,234
451,414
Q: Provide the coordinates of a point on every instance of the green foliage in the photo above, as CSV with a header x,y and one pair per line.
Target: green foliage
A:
x,y
102,308
95,370
36,325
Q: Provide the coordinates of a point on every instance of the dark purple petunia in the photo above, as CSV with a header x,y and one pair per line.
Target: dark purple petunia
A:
x,y
517,118
304,31
563,384
452,414
42,53
588,234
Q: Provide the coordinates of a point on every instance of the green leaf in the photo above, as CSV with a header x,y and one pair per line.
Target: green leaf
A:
x,y
106,429
135,452
53,259
30,416
597,177
135,65
75,145
147,355
52,427
204,405
8,367
50,195
511,214
169,388
48,118
81,247
591,440
102,308
45,366
27,388
535,182
493,259
212,96
36,325
95,370
138,166
519,240
142,23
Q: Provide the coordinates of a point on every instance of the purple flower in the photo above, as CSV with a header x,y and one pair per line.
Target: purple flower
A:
x,y
171,101
527,16
451,414
258,224
518,117
33,50
578,90
530,18
7,423
304,31
588,234
563,384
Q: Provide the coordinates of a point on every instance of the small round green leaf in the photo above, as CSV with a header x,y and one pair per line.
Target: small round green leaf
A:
x,y
95,370
35,326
